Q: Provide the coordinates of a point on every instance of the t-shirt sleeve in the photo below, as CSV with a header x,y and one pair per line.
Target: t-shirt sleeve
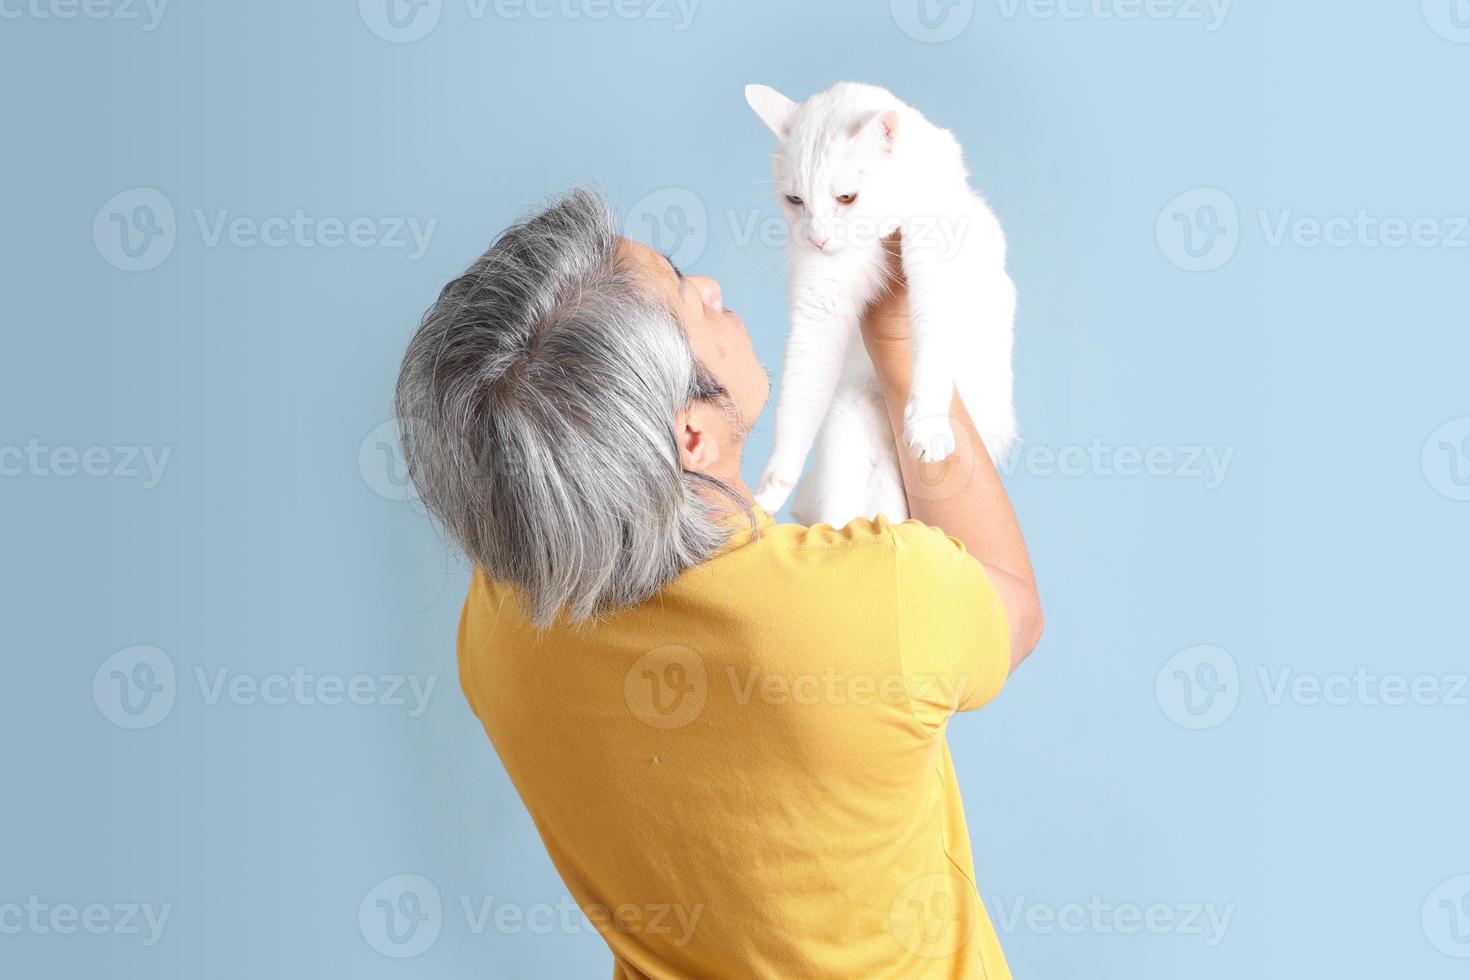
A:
x,y
953,638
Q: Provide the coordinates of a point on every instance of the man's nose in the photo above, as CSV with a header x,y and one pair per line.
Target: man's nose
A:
x,y
709,291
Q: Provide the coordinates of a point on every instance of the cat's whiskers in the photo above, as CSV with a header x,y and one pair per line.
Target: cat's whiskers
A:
x,y
781,256
756,183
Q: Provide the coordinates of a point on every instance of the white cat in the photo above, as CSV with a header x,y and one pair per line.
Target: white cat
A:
x,y
854,165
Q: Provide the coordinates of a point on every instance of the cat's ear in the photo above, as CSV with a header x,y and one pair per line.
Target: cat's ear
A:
x,y
774,108
879,132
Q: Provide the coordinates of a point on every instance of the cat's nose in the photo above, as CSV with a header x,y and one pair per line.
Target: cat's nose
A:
x,y
820,243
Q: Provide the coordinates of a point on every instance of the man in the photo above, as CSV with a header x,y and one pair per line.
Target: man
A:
x,y
730,732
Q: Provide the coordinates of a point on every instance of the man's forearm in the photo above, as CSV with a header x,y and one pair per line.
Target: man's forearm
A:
x,y
964,497
963,494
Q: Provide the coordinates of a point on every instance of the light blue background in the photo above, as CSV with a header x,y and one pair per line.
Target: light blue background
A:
x,y
272,540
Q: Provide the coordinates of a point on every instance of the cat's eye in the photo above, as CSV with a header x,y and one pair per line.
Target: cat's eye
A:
x,y
793,200
846,198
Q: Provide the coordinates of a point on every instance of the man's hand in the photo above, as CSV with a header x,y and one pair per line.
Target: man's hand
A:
x,y
887,334
885,323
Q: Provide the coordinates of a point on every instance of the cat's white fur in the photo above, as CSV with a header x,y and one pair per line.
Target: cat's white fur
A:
x,y
909,176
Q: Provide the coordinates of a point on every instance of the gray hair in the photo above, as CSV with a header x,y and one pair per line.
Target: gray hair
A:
x,y
536,404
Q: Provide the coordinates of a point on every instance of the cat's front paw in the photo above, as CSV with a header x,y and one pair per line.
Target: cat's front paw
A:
x,y
929,436
772,489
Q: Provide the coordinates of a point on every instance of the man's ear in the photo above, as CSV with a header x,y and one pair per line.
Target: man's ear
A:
x,y
879,133
698,449
774,108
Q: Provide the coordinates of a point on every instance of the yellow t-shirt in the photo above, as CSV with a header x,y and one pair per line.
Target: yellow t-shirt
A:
x,y
747,776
